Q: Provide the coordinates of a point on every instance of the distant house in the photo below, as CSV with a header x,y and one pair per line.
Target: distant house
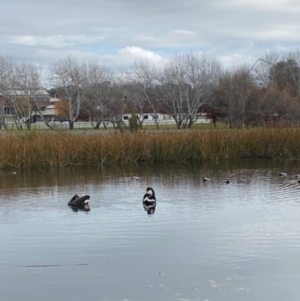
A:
x,y
48,111
148,117
7,112
45,103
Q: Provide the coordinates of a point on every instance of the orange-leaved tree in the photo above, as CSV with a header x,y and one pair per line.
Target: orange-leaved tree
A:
x,y
62,108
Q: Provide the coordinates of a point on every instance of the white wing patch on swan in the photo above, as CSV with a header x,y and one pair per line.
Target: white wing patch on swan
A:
x,y
147,199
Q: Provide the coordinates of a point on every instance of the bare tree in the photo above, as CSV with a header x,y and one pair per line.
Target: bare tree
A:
x,y
28,85
260,70
279,80
235,93
242,89
6,79
281,68
71,80
118,104
19,87
170,94
11,96
225,97
188,82
142,91
97,101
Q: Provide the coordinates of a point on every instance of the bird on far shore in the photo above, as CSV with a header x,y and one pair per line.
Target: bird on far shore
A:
x,y
283,174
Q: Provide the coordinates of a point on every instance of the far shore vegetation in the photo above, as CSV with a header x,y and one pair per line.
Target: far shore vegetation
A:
x,y
252,111
60,149
188,88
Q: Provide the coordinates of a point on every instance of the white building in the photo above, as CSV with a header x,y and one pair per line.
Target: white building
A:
x,y
149,118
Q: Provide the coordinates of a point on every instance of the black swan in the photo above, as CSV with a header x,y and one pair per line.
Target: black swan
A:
x,y
79,201
149,201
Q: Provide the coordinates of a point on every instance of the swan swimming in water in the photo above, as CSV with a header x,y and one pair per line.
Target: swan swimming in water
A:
x,y
80,202
149,200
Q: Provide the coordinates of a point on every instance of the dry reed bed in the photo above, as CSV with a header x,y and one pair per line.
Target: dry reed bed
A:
x,y
44,150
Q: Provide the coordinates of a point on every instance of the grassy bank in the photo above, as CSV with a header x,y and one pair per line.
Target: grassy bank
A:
x,y
62,149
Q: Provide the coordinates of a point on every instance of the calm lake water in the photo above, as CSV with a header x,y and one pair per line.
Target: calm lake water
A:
x,y
206,241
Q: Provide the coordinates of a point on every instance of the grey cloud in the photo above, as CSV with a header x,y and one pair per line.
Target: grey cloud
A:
x,y
229,29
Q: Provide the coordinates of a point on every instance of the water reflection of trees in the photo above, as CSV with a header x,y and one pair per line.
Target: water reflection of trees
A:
x,y
167,173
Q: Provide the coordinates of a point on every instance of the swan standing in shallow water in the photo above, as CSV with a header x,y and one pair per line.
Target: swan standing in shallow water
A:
x,y
149,200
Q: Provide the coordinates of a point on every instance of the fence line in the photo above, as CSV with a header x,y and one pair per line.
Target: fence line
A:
x,y
87,124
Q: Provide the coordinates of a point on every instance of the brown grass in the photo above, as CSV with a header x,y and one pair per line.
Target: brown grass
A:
x,y
61,149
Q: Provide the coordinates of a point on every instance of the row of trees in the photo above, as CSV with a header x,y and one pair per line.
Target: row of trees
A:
x,y
186,86
267,92
20,84
179,89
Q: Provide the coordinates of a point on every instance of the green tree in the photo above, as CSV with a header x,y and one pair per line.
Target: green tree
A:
x,y
133,122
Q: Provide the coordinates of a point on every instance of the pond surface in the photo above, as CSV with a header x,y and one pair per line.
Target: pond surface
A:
x,y
206,241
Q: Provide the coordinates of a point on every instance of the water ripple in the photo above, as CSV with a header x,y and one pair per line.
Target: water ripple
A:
x,y
226,241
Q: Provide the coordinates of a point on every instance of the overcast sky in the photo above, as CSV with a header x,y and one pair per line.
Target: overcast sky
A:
x,y
116,32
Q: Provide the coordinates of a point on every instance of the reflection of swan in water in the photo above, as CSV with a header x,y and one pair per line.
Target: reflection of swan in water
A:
x,y
85,208
149,201
80,203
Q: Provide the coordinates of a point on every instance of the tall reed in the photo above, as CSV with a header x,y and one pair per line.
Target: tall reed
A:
x,y
61,149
